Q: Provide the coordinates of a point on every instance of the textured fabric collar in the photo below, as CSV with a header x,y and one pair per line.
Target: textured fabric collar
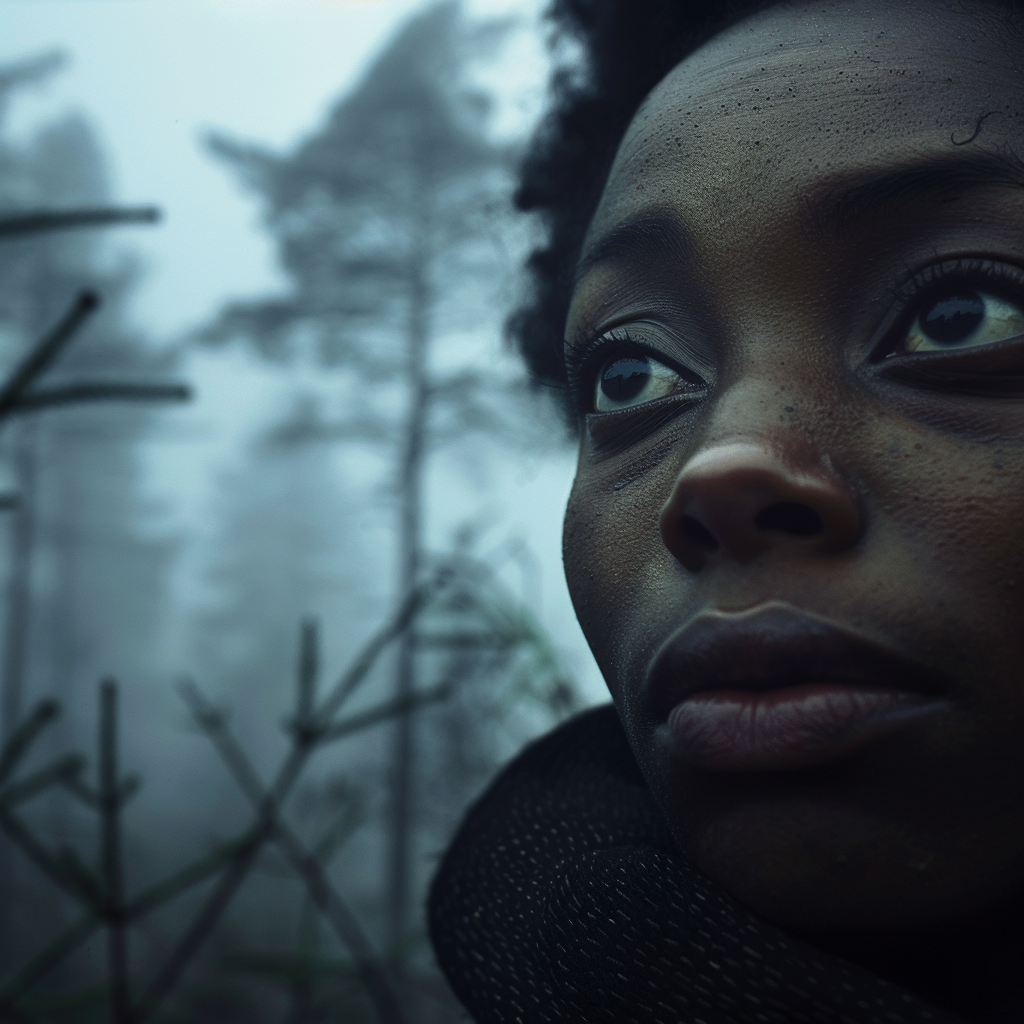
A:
x,y
562,899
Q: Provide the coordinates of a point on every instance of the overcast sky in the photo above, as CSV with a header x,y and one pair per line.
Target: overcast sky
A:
x,y
154,75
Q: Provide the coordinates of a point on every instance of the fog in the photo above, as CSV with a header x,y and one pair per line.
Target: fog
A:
x,y
359,460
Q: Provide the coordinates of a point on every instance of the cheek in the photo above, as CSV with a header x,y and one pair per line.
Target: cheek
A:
x,y
615,566
965,519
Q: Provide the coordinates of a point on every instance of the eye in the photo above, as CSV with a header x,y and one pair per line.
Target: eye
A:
x,y
626,381
963,319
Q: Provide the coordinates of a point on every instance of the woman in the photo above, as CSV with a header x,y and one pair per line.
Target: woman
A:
x,y
787,252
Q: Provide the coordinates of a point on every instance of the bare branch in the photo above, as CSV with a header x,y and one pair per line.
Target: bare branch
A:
x,y
76,394
217,902
22,738
345,925
306,866
215,726
37,221
64,869
384,712
186,877
110,857
305,699
47,958
46,351
203,923
60,771
360,668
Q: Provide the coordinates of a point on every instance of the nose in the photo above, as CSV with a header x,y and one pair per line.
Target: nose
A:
x,y
742,500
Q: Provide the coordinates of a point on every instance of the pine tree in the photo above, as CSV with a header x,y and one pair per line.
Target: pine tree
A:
x,y
386,221
84,582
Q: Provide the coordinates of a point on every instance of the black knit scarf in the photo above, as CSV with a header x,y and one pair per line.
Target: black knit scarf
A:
x,y
562,899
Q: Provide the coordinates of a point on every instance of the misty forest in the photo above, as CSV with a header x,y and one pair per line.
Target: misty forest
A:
x,y
231,760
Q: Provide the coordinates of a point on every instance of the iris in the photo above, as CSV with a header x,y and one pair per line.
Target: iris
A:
x,y
953,319
624,379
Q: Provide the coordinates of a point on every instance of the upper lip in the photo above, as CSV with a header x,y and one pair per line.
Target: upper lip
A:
x,y
772,646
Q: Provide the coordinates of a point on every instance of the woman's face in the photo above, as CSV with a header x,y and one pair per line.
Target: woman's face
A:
x,y
796,537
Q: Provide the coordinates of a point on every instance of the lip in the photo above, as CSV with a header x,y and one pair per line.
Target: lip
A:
x,y
775,688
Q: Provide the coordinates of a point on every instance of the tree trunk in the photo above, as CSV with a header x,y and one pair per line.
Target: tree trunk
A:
x,y
410,526
15,655
19,595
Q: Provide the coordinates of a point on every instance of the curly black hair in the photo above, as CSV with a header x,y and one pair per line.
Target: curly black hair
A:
x,y
628,47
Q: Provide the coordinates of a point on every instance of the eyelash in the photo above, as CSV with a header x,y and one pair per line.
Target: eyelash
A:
x,y
583,361
1002,279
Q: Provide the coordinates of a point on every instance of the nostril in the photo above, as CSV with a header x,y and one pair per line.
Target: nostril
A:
x,y
695,533
789,517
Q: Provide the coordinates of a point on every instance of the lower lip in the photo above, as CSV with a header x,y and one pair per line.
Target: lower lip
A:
x,y
791,727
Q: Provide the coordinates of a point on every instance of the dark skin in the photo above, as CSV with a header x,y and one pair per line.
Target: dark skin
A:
x,y
786,207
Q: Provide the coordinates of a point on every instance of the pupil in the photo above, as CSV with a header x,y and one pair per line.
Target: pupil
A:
x,y
625,378
954,318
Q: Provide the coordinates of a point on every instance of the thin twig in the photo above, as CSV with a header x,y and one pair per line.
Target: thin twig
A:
x,y
67,873
110,857
305,865
385,712
217,902
49,957
46,351
59,772
345,925
372,650
77,394
309,650
38,221
187,877
24,735
193,938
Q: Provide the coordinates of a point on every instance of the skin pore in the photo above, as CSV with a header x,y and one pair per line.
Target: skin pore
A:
x,y
803,291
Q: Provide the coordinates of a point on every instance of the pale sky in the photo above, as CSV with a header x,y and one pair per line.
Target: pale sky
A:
x,y
152,76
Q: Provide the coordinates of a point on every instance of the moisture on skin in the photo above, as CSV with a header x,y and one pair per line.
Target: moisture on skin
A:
x,y
782,228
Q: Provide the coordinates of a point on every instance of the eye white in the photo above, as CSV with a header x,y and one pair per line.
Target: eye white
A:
x,y
964,319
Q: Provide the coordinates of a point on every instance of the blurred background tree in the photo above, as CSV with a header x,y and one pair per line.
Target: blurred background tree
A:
x,y
393,222
84,583
385,400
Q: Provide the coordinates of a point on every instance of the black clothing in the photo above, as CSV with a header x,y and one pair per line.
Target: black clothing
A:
x,y
562,898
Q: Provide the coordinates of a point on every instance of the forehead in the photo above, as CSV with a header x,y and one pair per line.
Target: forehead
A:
x,y
790,102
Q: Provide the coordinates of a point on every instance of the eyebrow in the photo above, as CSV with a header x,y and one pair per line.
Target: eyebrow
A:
x,y
649,238
839,210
